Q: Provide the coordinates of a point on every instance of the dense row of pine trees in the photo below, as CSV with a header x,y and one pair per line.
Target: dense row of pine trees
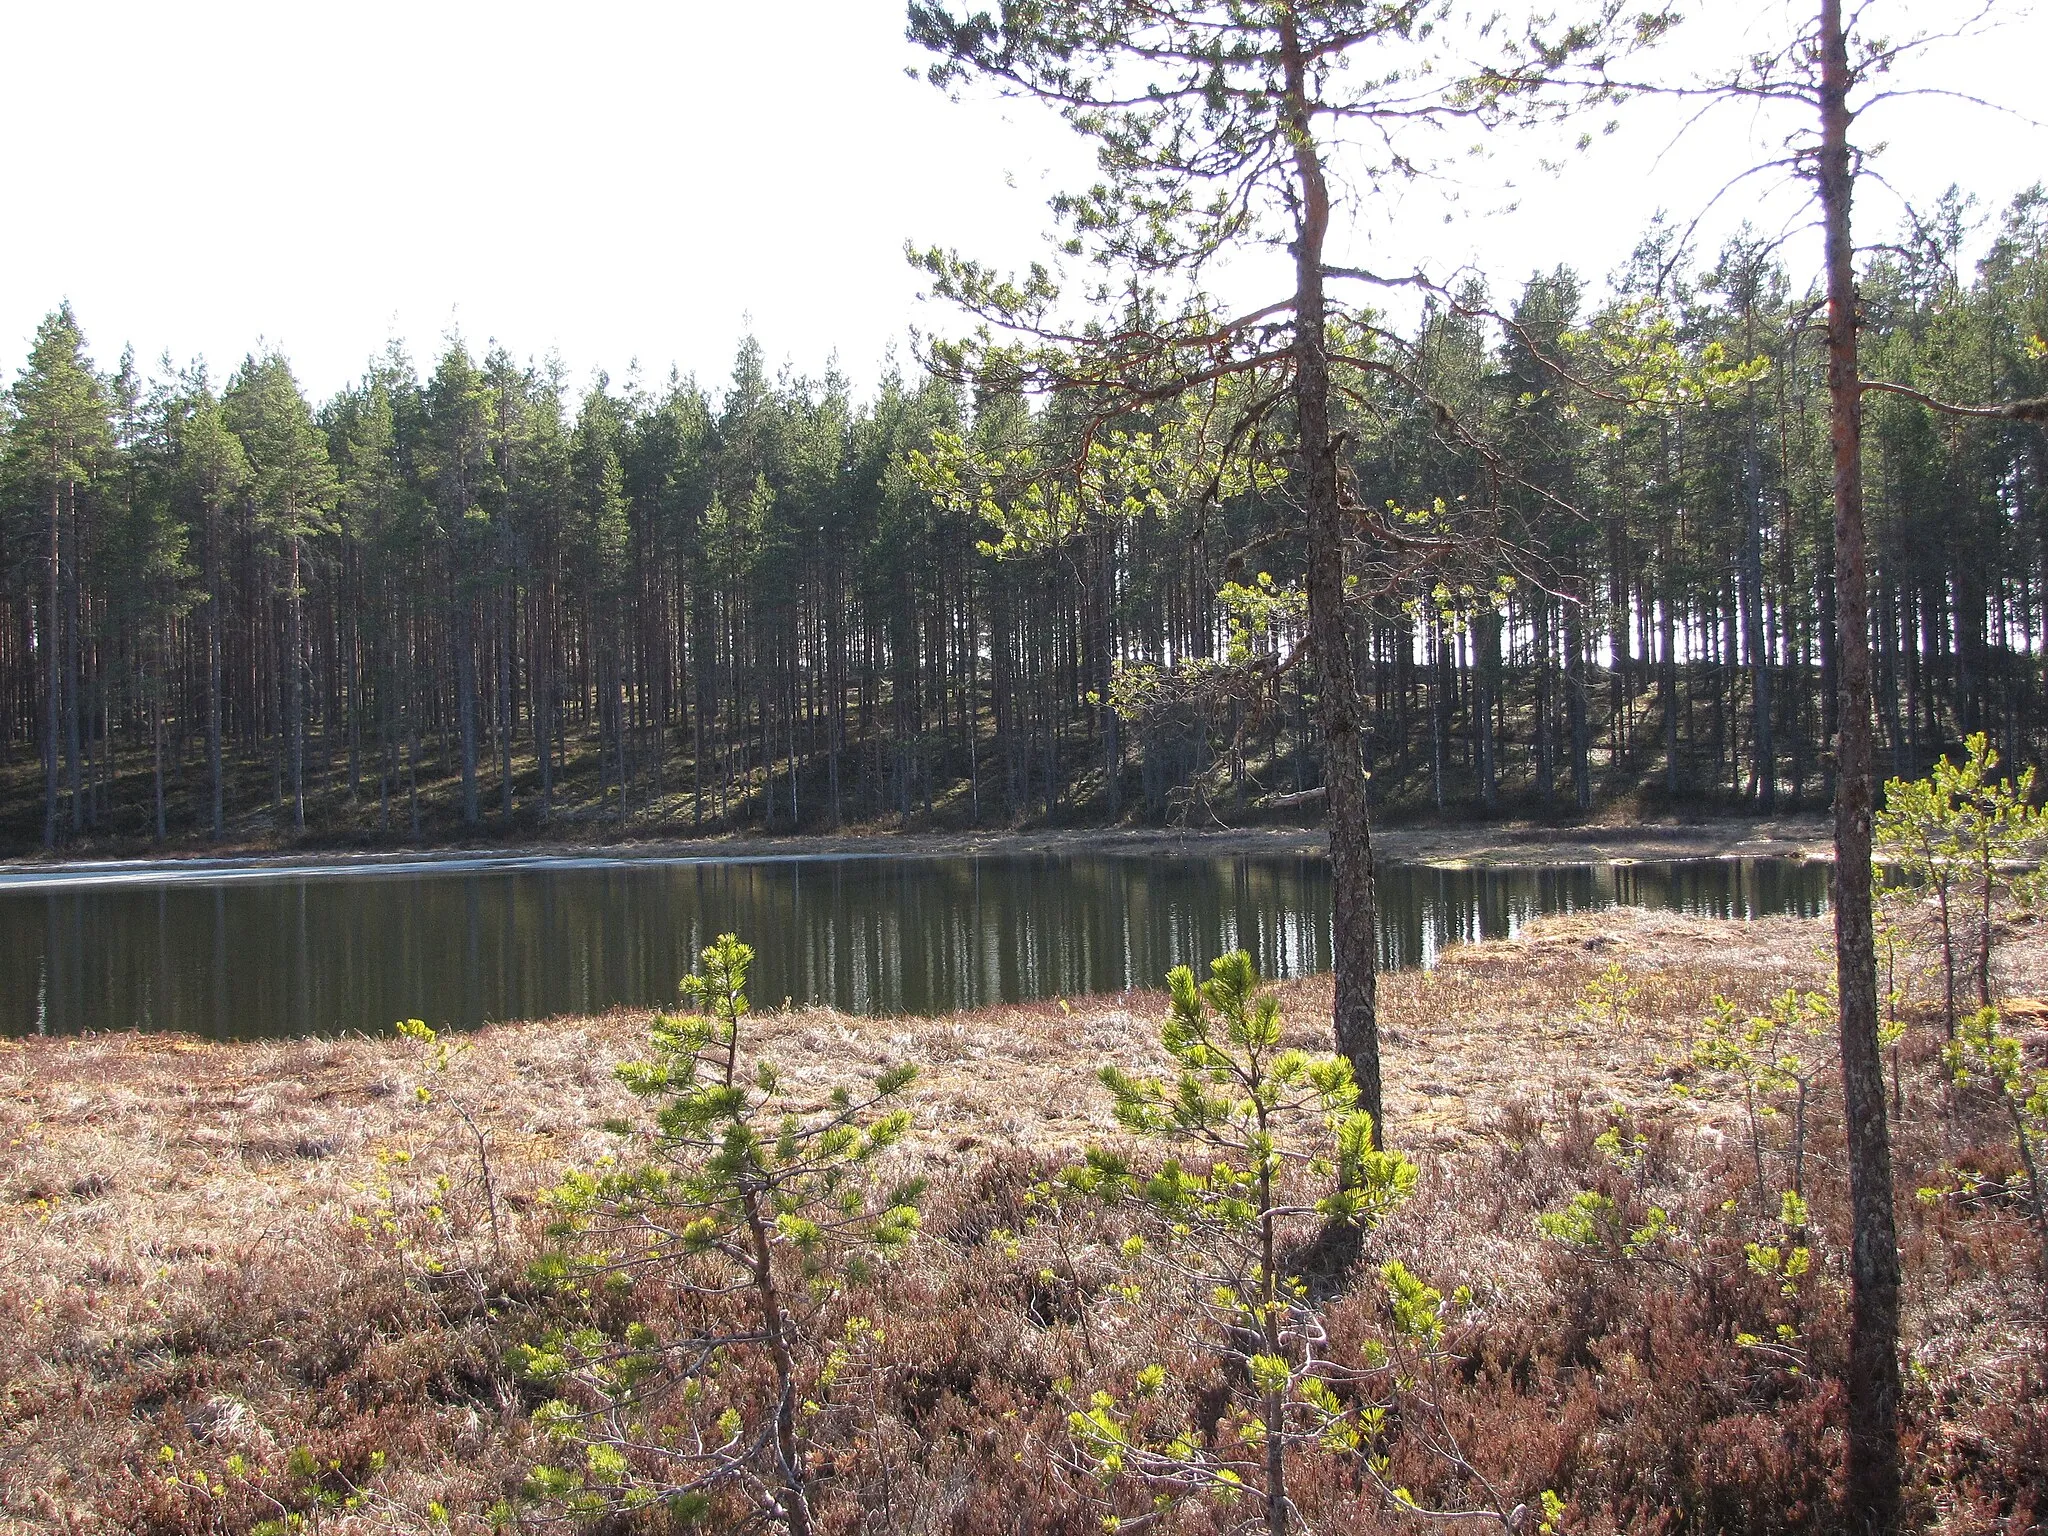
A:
x,y
474,597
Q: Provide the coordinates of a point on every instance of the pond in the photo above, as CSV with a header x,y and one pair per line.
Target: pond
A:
x,y
252,951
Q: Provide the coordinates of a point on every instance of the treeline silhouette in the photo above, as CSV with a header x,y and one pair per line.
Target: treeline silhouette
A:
x,y
469,600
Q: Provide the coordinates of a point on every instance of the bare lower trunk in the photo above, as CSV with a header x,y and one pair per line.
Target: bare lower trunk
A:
x,y
1578,714
213,667
465,706
1873,1484
1485,676
1667,643
544,702
156,728
53,701
1356,910
1105,680
1986,875
793,1502
1278,1507
506,619
71,675
1763,750
295,642
1545,746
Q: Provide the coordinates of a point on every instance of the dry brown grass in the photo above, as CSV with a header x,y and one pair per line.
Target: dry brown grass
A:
x,y
136,1155
240,1249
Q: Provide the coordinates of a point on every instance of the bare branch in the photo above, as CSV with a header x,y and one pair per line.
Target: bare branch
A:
x,y
2006,410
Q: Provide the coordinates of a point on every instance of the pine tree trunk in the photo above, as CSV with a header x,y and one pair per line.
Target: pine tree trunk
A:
x,y
1578,709
1763,750
1667,690
1621,678
52,648
70,648
1546,745
544,697
295,644
973,660
465,706
507,624
1873,1387
1486,678
156,725
1105,676
1356,914
213,664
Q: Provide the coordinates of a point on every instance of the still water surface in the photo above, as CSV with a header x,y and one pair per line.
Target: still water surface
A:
x,y
255,952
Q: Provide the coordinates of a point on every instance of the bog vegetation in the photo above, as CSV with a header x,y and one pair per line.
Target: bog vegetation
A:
x,y
803,1301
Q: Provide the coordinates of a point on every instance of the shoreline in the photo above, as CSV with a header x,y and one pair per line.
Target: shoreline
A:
x,y
1472,846
1014,1074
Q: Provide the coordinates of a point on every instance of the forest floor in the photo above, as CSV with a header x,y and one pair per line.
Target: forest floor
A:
x,y
1631,819
242,1282
1445,844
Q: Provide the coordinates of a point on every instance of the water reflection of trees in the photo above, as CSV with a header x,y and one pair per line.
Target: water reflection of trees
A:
x,y
335,954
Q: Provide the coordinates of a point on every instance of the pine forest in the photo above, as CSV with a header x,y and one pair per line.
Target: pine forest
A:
x,y
472,600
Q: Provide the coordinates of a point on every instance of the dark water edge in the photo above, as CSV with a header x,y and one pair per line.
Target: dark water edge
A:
x,y
266,953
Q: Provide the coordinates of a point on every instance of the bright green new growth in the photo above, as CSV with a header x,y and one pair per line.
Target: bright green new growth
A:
x,y
1981,1052
1595,1225
1279,1151
1236,1091
1609,1001
1778,1059
1955,834
749,1190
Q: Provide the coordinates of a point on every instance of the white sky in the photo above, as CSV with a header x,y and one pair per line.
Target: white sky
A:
x,y
633,179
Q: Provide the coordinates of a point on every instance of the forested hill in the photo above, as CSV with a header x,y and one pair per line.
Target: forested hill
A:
x,y
472,604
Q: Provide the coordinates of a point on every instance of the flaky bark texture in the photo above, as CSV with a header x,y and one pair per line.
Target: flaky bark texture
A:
x,y
1874,1254
1356,939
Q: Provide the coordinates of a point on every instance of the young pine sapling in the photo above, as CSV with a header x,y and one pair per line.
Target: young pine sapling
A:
x,y
1981,1051
1778,1059
756,1205
1957,834
1279,1152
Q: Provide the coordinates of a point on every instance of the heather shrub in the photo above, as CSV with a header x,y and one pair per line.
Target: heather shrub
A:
x,y
1983,1054
1664,1352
